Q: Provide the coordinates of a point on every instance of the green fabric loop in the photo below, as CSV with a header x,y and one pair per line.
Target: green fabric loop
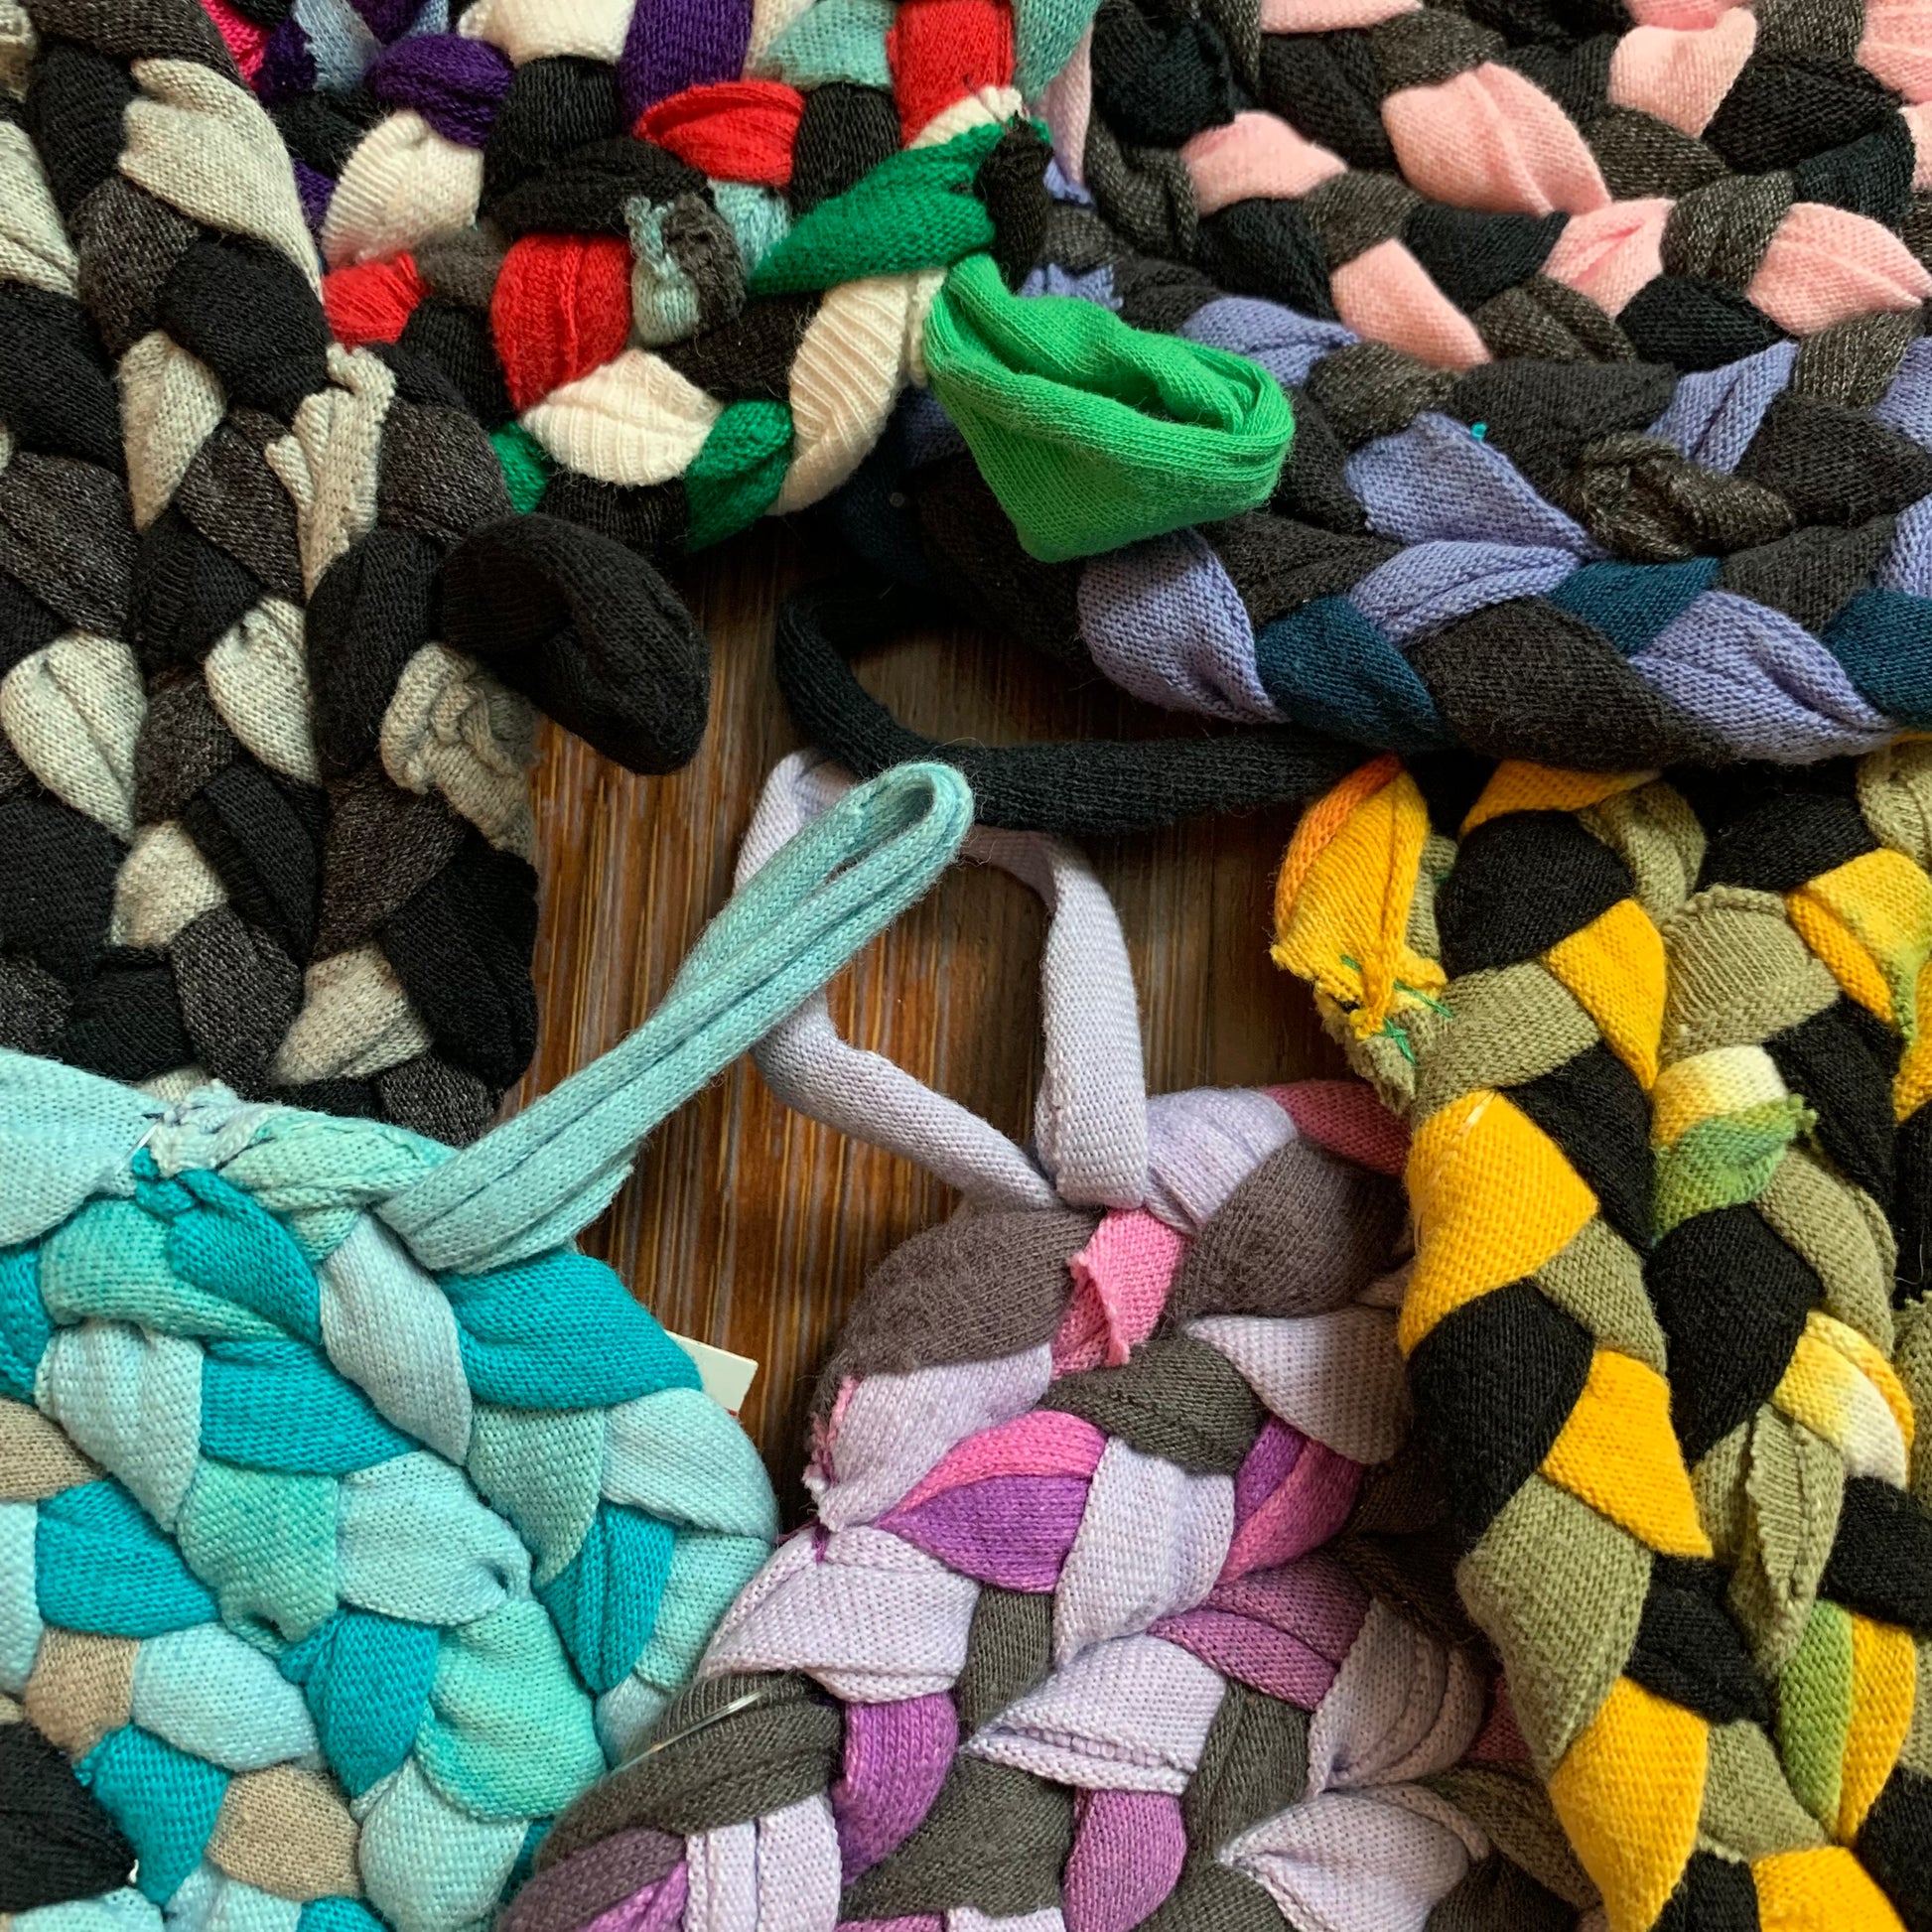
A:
x,y
736,478
1093,434
917,209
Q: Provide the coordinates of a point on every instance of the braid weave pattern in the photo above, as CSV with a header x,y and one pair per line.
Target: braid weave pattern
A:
x,y
327,895
1465,181
1100,1593
301,1426
1572,561
1512,991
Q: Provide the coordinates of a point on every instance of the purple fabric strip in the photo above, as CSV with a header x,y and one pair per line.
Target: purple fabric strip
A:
x,y
1164,621
1716,412
1429,585
679,44
1433,479
1762,680
388,19
1274,1662
1128,1850
1266,1467
1907,405
656,1908
896,1756
316,192
1096,285
590,1881
1288,346
456,85
1013,1531
288,68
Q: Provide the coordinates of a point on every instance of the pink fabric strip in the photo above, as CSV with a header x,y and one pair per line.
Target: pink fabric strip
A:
x,y
1121,1279
1345,1117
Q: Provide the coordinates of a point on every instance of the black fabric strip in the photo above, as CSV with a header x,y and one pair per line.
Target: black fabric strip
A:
x,y
1084,788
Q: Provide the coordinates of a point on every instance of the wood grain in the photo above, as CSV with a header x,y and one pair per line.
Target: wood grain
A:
x,y
745,1224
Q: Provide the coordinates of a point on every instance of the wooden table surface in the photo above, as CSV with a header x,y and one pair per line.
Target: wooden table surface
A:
x,y
745,1224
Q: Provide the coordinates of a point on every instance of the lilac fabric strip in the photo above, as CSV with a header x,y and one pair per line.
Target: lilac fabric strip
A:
x,y
1429,585
1907,405
896,1756
1095,284
456,85
1164,621
679,44
1201,1145
1285,345
1760,679
1908,562
1716,412
1433,479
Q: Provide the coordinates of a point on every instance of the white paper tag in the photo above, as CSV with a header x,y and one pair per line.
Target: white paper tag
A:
x,y
727,1378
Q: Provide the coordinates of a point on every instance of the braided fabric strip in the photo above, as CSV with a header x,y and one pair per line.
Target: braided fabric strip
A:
x,y
1114,1626
274,1425
328,895
1512,991
1498,179
1598,563
1793,969
641,193
686,309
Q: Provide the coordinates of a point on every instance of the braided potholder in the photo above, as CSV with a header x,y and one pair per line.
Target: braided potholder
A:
x,y
269,626
350,1516
1115,1609
1643,1048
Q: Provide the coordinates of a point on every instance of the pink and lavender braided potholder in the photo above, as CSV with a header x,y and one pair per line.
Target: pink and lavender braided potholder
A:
x,y
1120,1605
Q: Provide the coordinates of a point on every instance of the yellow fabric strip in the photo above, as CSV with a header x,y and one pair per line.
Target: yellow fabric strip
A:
x,y
1618,1453
1884,1680
1493,1199
1628,1792
1615,968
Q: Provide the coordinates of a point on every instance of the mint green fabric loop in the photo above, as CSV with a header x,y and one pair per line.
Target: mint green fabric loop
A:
x,y
915,210
539,1178
1093,434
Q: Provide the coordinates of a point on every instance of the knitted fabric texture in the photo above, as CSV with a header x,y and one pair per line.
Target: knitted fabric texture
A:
x,y
1577,1079
1463,182
351,1517
697,295
1591,562
268,627
1102,1621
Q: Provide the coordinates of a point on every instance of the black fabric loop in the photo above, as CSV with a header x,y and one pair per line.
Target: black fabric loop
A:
x,y
1084,788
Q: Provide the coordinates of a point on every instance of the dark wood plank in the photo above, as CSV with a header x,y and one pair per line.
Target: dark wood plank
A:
x,y
745,1224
